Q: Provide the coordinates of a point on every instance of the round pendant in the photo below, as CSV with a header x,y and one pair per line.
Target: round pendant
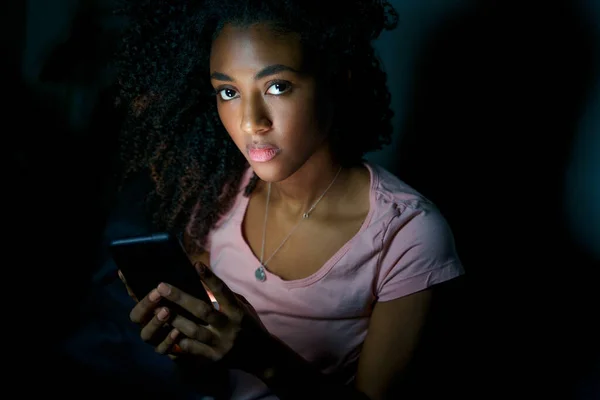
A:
x,y
260,274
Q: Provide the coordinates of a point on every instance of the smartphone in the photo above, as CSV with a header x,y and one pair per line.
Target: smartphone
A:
x,y
145,261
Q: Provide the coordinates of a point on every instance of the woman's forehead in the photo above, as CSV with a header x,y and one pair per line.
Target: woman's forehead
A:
x,y
254,47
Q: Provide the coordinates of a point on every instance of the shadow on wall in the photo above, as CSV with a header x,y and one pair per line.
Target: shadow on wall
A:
x,y
498,95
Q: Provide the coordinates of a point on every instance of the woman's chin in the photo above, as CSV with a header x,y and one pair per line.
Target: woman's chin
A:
x,y
270,171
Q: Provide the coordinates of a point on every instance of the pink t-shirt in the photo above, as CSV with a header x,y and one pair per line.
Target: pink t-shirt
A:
x,y
403,246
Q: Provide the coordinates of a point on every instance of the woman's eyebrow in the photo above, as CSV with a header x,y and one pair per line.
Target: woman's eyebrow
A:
x,y
263,73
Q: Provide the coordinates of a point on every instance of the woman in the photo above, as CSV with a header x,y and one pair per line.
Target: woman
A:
x,y
323,265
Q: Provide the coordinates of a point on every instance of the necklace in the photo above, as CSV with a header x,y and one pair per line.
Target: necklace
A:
x,y
260,273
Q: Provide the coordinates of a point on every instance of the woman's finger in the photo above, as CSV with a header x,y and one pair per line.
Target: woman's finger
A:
x,y
198,308
144,310
150,330
193,330
168,343
227,300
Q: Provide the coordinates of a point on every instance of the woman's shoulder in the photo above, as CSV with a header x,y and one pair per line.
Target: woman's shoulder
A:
x,y
399,206
387,188
417,243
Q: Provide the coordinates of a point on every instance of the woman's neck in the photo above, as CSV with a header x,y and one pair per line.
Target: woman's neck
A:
x,y
301,190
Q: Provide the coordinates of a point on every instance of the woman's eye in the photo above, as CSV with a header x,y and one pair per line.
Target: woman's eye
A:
x,y
227,94
278,88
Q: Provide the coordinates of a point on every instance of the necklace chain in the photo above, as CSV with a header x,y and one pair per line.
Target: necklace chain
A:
x,y
260,272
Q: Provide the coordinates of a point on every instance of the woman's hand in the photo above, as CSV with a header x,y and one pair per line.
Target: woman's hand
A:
x,y
153,319
212,341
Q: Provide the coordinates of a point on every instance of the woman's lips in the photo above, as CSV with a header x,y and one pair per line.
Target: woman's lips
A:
x,y
262,153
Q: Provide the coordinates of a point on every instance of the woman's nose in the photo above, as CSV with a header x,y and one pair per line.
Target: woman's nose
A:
x,y
255,118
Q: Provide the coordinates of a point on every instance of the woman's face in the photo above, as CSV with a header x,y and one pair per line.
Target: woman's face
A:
x,y
266,101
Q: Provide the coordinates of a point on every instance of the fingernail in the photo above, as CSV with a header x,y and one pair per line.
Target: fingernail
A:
x,y
164,289
154,296
174,333
163,314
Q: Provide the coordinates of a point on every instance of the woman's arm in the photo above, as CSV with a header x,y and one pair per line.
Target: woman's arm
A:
x,y
394,332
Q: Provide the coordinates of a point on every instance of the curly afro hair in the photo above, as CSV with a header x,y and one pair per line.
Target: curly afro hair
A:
x,y
172,129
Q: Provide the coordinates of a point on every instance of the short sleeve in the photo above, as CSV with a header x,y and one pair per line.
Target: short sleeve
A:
x,y
418,252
